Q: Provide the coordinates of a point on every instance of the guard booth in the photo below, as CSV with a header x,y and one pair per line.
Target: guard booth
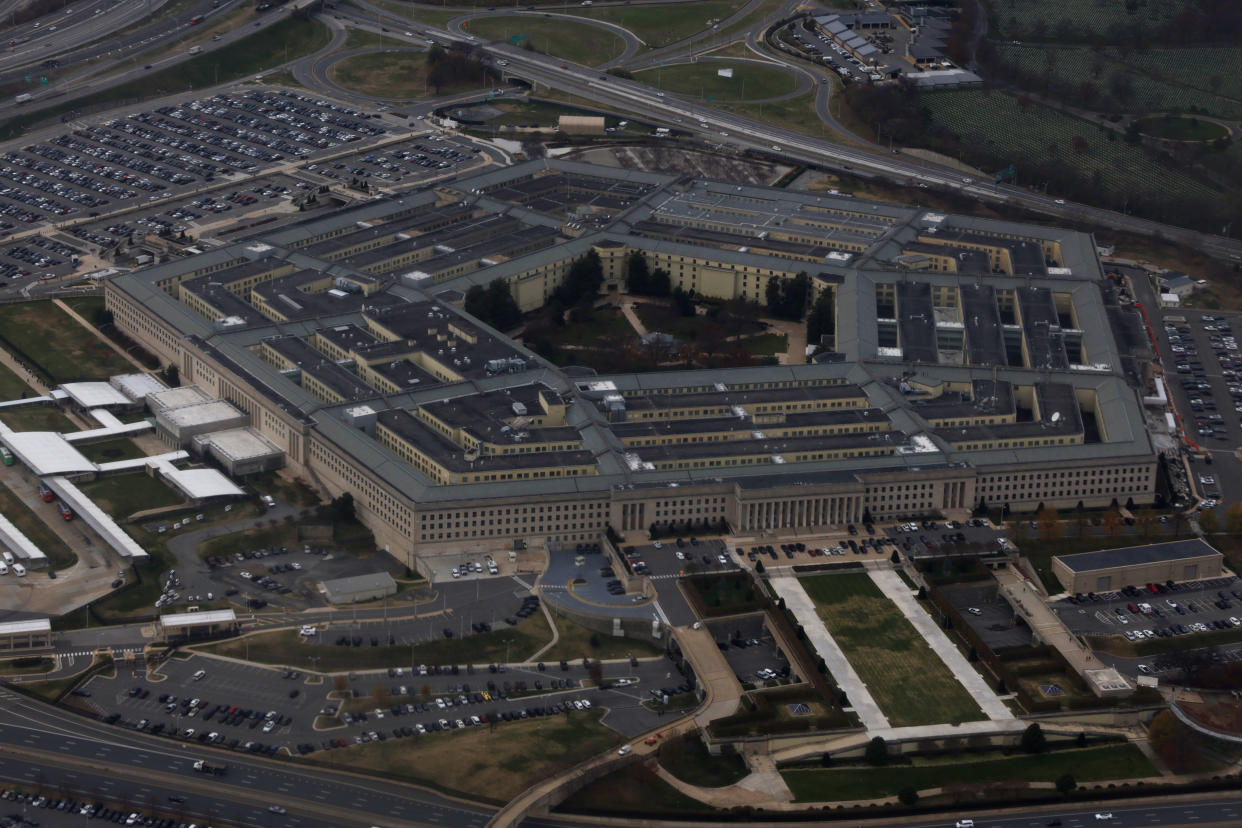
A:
x,y
186,626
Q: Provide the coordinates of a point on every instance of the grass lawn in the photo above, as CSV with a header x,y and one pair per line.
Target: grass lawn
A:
x,y
687,759
1086,765
751,81
85,306
13,387
122,495
19,510
1182,129
294,492
635,789
50,690
286,647
766,344
282,42
558,37
394,74
576,642
27,665
42,417
797,114
107,451
495,764
909,682
419,14
359,39
604,322
42,335
657,25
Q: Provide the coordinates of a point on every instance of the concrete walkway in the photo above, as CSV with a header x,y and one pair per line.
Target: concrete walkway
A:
x,y
895,590
803,608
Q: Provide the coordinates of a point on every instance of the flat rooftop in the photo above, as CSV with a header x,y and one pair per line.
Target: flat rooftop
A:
x,y
1137,555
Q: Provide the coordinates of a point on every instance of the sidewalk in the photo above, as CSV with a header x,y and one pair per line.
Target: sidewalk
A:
x,y
895,590
803,608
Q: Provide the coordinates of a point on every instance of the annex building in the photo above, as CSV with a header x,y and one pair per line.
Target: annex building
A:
x,y
972,360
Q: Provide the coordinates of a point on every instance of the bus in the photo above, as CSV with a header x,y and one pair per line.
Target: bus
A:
x,y
6,456
65,511
46,493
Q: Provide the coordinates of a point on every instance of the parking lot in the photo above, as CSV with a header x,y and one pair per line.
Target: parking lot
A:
x,y
403,163
989,615
750,650
678,557
264,709
1138,613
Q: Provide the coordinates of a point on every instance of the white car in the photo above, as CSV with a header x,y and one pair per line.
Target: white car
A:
x,y
1102,816
624,749
308,630
657,544
974,611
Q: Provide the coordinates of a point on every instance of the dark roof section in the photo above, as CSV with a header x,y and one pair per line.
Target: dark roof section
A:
x,y
985,340
1045,343
1136,555
916,320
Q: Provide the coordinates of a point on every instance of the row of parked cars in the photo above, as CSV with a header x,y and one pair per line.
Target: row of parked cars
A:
x,y
90,810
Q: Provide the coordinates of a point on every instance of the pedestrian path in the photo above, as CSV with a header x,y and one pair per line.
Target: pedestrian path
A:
x,y
895,590
803,608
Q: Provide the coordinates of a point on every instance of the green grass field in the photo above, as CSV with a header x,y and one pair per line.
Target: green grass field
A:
x,y
1086,765
122,495
43,417
20,511
492,763
60,349
13,387
395,74
273,46
751,81
576,42
687,759
997,123
909,682
658,25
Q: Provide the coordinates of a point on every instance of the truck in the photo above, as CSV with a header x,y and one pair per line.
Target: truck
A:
x,y
65,511
194,50
25,97
203,766
6,456
45,493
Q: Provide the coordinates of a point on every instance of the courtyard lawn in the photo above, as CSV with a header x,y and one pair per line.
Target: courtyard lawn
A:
x,y
45,337
661,24
491,763
1095,764
40,417
122,448
577,42
908,680
576,641
123,495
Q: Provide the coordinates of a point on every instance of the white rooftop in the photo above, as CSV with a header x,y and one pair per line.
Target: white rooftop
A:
x,y
137,386
212,411
198,484
20,545
177,397
28,625
196,619
45,452
94,394
238,443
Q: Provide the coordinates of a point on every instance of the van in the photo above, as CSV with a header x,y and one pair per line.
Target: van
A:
x,y
19,570
965,823
8,556
4,569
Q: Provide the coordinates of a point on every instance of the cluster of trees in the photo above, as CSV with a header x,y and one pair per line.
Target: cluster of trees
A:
x,y
787,298
454,67
822,320
1194,21
640,279
494,305
582,282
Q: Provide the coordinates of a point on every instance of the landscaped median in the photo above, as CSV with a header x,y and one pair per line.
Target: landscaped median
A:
x,y
861,782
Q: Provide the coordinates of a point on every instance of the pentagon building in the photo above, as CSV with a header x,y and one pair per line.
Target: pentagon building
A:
x,y
971,360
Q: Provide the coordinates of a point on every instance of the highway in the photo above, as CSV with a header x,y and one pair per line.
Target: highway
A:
x,y
41,745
